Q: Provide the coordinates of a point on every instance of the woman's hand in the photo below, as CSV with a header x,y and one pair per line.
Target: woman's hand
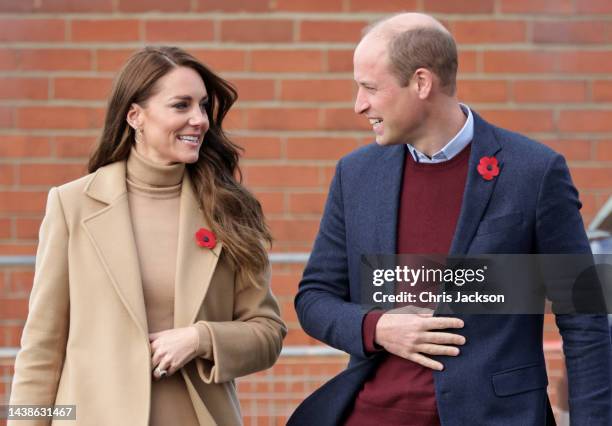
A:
x,y
172,349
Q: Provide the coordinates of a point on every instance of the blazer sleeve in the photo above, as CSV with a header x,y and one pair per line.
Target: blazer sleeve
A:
x,y
586,338
323,302
43,343
251,342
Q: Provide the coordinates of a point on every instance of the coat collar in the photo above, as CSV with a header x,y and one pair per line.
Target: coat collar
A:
x,y
110,231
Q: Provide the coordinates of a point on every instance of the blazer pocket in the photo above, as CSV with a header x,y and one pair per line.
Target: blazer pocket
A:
x,y
519,380
499,223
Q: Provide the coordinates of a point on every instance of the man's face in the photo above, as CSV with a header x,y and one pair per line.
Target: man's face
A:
x,y
394,112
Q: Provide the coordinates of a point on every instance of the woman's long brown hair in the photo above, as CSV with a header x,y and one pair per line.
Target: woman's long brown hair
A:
x,y
233,213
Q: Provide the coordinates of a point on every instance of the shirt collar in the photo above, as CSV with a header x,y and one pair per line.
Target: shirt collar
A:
x,y
454,147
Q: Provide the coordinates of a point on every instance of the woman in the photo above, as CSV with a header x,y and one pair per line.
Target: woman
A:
x,y
151,286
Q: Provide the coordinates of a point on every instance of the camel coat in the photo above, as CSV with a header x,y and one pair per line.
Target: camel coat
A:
x,y
85,341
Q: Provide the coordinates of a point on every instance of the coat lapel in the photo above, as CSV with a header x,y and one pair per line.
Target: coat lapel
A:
x,y
111,233
477,190
195,264
384,197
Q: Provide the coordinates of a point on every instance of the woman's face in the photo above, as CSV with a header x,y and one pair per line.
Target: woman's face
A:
x,y
174,120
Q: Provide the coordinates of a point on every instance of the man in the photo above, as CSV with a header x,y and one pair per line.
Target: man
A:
x,y
419,190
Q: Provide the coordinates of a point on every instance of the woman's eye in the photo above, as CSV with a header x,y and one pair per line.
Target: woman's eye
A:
x,y
181,105
204,105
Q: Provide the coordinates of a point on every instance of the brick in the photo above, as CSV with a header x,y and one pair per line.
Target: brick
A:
x,y
548,7
482,90
549,91
5,233
465,6
82,88
307,203
74,146
20,282
521,121
50,174
254,89
7,117
468,61
260,147
340,61
14,146
256,30
8,59
76,6
281,176
18,6
288,313
489,31
287,61
12,335
294,230
317,90
285,285
592,177
282,119
344,119
602,91
235,119
571,149
603,150
585,62
52,117
13,309
154,6
27,228
593,6
585,121
222,60
17,250
326,148
24,88
31,30
272,202
570,32
55,60
309,6
331,31
112,60
179,30
109,30
7,174
233,6
521,61
382,6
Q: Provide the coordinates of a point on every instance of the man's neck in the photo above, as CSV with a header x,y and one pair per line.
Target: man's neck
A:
x,y
442,125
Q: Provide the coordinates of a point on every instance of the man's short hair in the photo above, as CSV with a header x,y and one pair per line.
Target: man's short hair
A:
x,y
424,47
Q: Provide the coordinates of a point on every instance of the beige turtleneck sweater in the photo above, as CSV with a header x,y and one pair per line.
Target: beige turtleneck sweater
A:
x,y
154,195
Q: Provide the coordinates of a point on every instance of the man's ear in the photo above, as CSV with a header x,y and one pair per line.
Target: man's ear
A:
x,y
424,80
135,116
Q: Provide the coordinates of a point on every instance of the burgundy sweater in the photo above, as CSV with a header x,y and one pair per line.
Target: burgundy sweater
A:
x,y
401,392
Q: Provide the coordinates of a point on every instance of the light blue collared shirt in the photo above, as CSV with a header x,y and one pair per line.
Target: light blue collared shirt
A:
x,y
454,147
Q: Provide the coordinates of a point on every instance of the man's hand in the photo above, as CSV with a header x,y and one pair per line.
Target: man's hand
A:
x,y
172,349
406,332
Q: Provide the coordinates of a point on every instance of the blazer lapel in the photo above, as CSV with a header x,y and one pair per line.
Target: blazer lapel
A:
x,y
195,264
110,231
477,190
384,196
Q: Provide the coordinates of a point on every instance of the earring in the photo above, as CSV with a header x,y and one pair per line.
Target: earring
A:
x,y
139,135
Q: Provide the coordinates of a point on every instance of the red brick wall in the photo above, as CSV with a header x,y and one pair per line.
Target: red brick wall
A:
x,y
541,67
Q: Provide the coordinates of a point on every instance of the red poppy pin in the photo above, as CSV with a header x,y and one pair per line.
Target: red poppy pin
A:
x,y
488,167
206,238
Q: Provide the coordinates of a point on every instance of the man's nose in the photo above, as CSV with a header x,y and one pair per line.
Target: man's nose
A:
x,y
361,105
